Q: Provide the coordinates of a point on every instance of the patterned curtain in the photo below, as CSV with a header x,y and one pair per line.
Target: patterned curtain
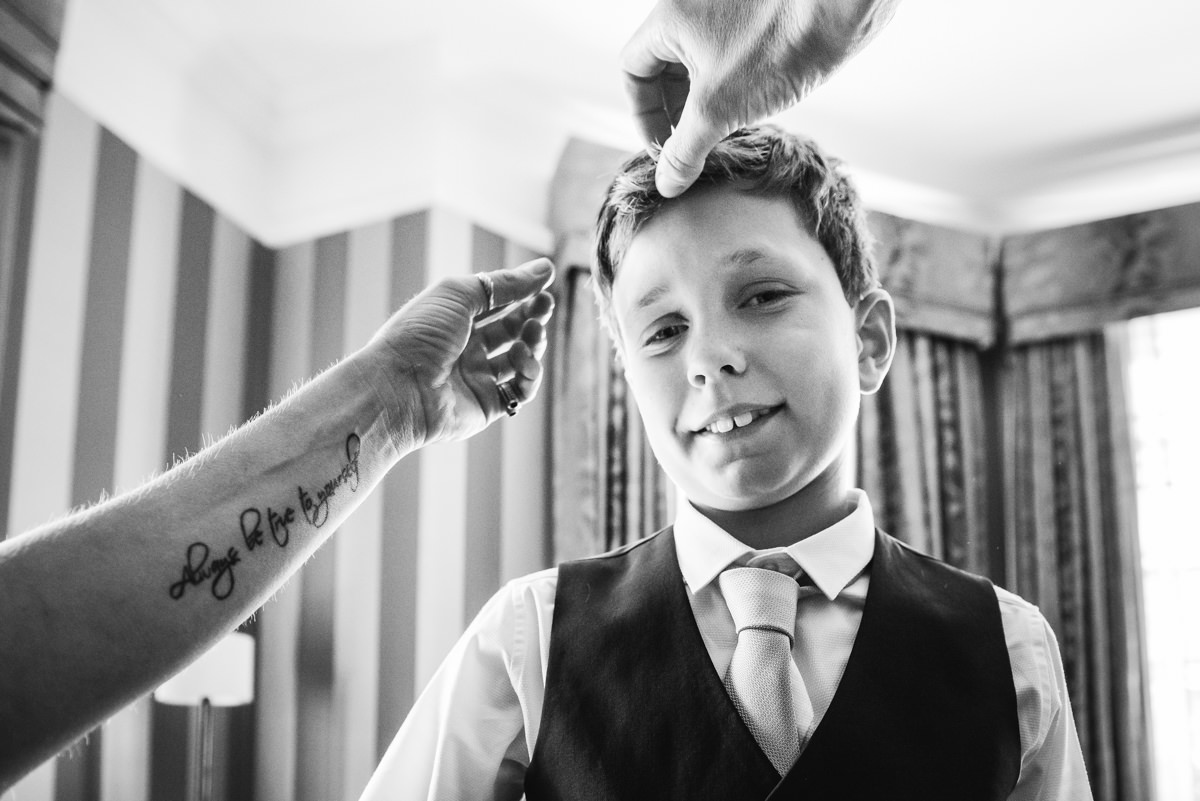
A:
x,y
923,444
1019,468
608,488
1071,542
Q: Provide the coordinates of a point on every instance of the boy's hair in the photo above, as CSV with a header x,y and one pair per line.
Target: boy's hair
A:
x,y
765,161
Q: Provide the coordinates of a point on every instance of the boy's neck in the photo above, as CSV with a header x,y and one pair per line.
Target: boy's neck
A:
x,y
814,508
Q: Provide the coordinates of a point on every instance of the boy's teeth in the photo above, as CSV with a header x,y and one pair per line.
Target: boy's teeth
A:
x,y
727,424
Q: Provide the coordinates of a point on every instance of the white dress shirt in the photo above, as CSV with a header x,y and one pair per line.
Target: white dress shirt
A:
x,y
471,732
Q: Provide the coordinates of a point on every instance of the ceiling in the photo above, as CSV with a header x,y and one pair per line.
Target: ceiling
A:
x,y
298,118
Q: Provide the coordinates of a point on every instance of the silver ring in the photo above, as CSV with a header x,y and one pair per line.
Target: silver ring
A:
x,y
508,398
489,289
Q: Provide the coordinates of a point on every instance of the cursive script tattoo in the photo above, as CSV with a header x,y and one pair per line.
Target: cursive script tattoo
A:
x,y
198,569
251,520
315,504
278,522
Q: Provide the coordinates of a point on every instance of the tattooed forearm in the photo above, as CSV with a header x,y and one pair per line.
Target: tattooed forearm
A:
x,y
198,568
315,505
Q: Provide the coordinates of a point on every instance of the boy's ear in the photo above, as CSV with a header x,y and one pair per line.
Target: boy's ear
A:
x,y
612,330
619,357
875,319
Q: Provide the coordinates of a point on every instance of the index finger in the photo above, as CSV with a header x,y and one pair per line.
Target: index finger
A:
x,y
512,285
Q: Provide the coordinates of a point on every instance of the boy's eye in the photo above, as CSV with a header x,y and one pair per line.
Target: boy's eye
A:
x,y
664,333
766,297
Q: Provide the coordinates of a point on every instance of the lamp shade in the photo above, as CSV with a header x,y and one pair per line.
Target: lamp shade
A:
x,y
224,675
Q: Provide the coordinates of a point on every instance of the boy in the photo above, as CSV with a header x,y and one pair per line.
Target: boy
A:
x,y
748,320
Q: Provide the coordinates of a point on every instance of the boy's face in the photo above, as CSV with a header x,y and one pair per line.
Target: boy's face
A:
x,y
740,348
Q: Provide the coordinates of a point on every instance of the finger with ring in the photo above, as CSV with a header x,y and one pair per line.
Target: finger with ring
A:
x,y
508,398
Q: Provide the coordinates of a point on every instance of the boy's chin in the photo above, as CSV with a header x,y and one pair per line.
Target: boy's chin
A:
x,y
750,495
747,501
767,484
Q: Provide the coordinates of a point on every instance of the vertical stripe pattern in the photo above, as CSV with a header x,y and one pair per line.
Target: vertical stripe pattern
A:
x,y
141,427
224,354
190,335
441,527
260,321
401,518
151,325
484,473
526,502
13,287
104,314
52,346
99,381
356,620
277,715
316,775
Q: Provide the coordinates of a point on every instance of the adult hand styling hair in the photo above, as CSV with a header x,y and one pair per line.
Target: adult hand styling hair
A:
x,y
697,70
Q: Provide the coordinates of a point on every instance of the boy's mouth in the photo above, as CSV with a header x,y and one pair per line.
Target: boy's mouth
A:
x,y
734,419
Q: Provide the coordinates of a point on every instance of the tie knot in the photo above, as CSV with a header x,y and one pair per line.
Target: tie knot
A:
x,y
760,599
779,561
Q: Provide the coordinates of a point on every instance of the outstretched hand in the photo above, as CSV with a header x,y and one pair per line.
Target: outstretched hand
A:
x,y
446,352
697,70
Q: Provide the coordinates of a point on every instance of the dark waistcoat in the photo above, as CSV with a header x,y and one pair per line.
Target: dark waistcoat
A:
x,y
633,709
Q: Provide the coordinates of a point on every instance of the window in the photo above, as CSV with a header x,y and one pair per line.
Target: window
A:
x,y
1164,385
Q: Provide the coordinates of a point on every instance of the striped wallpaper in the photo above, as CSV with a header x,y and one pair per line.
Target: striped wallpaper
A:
x,y
152,324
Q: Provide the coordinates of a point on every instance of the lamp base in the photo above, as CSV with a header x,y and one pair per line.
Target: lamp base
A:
x,y
202,753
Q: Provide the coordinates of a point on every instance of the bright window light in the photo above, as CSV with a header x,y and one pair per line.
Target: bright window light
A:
x,y
1164,408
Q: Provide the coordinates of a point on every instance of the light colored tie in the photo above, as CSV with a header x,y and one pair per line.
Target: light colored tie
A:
x,y
763,680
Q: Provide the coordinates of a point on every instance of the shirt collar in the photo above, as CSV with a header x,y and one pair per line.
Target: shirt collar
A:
x,y
832,557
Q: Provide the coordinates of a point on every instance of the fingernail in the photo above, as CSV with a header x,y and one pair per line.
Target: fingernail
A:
x,y
542,267
668,181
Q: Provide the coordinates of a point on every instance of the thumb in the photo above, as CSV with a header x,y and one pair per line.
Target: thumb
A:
x,y
683,153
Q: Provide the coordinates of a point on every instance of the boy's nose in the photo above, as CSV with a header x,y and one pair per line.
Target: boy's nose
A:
x,y
713,358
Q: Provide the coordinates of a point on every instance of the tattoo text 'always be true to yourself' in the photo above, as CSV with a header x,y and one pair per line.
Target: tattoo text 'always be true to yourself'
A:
x,y
256,524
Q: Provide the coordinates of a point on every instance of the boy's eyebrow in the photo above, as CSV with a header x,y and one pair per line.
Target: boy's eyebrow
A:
x,y
744,257
650,296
